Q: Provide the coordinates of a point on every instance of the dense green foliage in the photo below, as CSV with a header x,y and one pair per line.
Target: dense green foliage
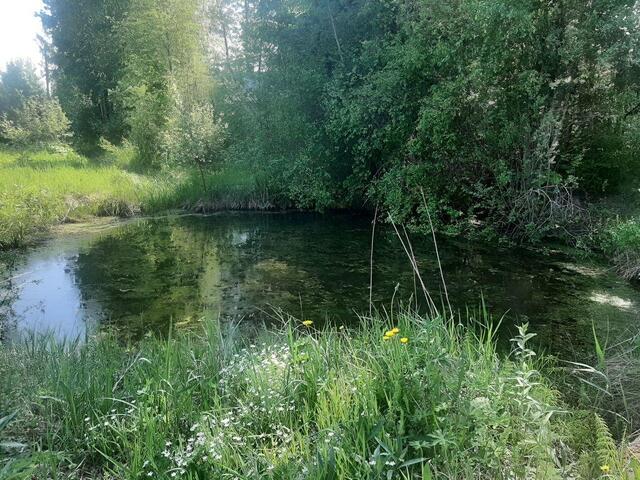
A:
x,y
38,122
296,403
507,113
18,83
28,118
88,64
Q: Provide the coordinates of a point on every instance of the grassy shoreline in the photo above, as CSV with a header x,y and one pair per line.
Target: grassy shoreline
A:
x,y
41,189
296,402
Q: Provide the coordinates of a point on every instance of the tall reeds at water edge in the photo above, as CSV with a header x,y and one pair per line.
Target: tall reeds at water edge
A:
x,y
402,396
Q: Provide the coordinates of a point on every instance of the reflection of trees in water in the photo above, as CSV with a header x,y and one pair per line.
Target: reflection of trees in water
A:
x,y
146,274
150,273
9,289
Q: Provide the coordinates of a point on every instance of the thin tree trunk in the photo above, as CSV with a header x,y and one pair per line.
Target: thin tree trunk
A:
x,y
335,33
226,43
204,183
246,47
373,236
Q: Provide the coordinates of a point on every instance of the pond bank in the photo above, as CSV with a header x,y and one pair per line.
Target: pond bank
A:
x,y
42,189
208,403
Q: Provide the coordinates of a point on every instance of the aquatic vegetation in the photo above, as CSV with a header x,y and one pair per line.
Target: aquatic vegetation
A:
x,y
295,403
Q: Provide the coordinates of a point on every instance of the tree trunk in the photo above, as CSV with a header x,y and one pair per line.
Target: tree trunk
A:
x,y
335,33
204,183
226,43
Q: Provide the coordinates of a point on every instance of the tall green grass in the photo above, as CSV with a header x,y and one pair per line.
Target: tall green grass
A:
x,y
40,189
622,243
295,402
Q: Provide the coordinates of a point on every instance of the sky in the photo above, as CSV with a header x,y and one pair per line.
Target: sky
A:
x,y
18,30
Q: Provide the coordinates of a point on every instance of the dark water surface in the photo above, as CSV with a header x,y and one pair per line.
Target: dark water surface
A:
x,y
142,275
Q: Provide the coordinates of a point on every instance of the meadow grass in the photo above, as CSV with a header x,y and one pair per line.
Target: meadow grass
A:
x,y
434,400
43,188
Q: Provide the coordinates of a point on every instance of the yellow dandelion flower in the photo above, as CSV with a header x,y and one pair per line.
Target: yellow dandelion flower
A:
x,y
605,468
396,330
307,323
404,340
389,333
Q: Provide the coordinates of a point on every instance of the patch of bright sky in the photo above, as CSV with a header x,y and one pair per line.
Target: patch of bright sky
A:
x,y
18,29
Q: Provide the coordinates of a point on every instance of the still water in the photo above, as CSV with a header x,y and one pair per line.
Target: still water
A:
x,y
143,275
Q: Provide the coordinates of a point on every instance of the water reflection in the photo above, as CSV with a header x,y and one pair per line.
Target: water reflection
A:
x,y
144,275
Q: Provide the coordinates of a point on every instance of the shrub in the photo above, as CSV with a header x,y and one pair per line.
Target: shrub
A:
x,y
26,213
196,138
146,117
39,122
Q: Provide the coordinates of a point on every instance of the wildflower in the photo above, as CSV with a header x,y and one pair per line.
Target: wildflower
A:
x,y
404,340
605,468
386,338
307,323
395,330
389,333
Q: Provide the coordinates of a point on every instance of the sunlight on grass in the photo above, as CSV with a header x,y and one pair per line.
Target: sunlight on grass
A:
x,y
434,400
40,189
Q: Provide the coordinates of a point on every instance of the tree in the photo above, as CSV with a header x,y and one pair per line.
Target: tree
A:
x,y
196,139
18,83
87,53
164,65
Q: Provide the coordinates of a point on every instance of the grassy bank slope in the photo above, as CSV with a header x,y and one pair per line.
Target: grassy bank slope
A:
x,y
621,242
42,188
295,403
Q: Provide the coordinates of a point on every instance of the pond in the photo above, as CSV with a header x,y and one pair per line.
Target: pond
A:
x,y
143,275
